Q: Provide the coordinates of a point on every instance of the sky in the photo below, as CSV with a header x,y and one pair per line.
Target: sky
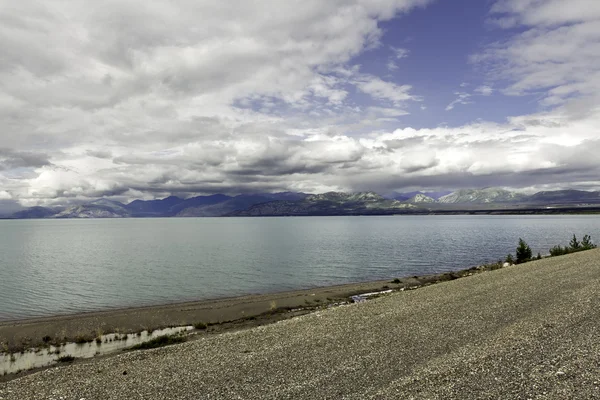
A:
x,y
132,99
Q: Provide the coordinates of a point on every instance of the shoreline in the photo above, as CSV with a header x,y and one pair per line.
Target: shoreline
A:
x,y
519,331
221,314
543,210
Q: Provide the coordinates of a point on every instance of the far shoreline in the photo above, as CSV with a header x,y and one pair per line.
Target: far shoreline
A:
x,y
547,210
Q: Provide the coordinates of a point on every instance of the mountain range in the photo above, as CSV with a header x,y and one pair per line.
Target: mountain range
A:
x,y
331,203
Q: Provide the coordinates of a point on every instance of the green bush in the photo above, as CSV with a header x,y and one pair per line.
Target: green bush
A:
x,y
574,246
523,252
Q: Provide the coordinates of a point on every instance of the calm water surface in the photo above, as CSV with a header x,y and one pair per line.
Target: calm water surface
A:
x,y
50,267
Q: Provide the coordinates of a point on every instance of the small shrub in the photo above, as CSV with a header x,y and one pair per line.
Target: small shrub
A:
x,y
46,339
396,280
200,325
510,259
65,359
539,256
160,341
81,339
523,252
496,265
558,250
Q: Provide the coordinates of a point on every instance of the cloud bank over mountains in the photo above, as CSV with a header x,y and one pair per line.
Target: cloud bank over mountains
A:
x,y
131,99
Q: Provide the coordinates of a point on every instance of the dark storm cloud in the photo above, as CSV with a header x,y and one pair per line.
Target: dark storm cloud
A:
x,y
10,159
416,167
99,153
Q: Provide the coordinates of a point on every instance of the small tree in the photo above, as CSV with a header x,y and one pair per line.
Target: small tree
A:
x,y
586,243
574,244
539,256
523,252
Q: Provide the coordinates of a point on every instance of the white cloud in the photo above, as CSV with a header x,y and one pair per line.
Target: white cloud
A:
x,y
383,90
556,56
546,12
484,90
397,54
400,52
391,65
462,98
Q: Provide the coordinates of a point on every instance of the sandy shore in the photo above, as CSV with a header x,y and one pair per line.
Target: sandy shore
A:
x,y
523,332
222,314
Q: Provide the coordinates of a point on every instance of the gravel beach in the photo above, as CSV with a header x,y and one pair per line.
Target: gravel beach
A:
x,y
522,332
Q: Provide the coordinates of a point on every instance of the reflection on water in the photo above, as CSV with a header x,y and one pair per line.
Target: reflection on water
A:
x,y
105,344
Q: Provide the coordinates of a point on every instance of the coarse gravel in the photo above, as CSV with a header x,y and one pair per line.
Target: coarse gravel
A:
x,y
522,332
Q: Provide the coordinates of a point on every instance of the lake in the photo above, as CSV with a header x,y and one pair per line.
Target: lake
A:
x,y
50,267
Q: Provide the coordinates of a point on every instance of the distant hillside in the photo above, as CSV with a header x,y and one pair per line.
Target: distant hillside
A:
x,y
237,203
290,196
153,208
198,201
565,197
240,202
101,208
410,195
481,196
35,212
420,198
332,203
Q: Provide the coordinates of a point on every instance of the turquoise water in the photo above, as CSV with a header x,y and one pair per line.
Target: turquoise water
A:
x,y
50,267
